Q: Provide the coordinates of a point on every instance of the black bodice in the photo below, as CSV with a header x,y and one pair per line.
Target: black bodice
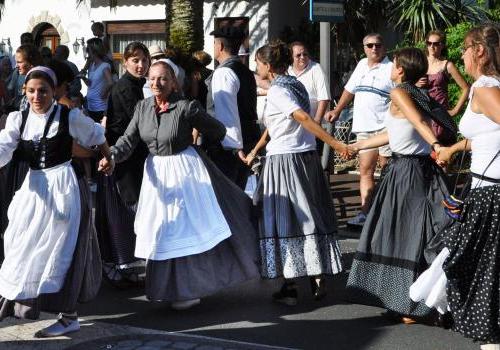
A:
x,y
47,152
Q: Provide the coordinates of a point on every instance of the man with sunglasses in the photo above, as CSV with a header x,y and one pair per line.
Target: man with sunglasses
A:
x,y
316,83
369,86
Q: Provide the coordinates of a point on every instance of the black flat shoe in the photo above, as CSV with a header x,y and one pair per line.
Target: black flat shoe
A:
x,y
286,295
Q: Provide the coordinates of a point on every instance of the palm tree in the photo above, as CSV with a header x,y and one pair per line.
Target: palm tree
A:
x,y
417,17
185,25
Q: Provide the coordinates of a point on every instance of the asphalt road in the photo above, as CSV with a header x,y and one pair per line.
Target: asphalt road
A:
x,y
247,314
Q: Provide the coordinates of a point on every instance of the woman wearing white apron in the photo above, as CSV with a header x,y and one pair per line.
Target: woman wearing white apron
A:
x,y
192,223
44,267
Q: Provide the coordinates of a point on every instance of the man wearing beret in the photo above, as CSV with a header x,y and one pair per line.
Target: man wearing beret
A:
x,y
232,99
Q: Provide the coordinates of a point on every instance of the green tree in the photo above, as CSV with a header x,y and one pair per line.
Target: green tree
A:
x,y
185,30
454,41
420,16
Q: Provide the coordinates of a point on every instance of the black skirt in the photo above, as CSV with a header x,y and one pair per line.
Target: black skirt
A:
x,y
12,176
114,221
405,216
473,267
229,263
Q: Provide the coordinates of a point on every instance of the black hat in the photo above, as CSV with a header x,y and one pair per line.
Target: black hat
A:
x,y
229,32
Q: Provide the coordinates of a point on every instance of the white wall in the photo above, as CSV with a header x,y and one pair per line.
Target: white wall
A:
x,y
76,21
256,10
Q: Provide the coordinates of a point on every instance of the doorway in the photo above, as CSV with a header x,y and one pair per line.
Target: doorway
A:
x,y
46,35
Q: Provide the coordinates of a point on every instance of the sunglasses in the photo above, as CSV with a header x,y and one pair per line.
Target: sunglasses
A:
x,y
302,55
433,43
371,45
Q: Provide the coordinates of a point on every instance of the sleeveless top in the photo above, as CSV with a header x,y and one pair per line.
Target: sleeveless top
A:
x,y
484,134
404,138
47,152
438,86
95,102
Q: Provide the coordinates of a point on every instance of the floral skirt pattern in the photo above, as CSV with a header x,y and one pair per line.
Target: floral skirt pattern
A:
x,y
298,231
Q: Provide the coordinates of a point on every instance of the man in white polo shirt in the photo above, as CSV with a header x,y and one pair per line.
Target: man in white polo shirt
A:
x,y
314,79
316,83
369,86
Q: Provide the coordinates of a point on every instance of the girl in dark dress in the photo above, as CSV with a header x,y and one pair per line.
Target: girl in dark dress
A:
x,y
118,194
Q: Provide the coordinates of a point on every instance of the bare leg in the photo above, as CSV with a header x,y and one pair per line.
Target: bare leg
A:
x,y
367,165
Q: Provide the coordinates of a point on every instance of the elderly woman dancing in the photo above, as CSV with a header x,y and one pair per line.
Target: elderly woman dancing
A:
x,y
192,224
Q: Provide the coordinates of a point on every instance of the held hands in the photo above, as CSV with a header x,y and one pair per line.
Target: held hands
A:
x,y
444,154
106,166
247,159
345,151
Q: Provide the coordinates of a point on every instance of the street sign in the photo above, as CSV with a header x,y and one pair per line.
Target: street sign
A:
x,y
326,11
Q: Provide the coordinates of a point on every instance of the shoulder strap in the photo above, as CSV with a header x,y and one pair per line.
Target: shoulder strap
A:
x,y
24,115
63,118
49,121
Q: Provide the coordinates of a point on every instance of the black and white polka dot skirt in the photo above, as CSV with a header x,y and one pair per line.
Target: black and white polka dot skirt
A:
x,y
473,267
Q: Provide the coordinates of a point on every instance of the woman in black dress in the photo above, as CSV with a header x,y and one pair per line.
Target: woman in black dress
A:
x,y
118,194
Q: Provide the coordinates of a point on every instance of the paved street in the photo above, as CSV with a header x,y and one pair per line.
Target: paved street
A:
x,y
239,318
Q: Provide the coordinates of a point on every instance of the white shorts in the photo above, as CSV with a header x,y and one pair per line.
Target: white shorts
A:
x,y
384,151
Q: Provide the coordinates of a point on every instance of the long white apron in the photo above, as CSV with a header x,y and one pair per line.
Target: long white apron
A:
x,y
39,242
178,213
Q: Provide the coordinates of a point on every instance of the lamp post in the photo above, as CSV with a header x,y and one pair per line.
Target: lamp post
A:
x,y
76,44
5,41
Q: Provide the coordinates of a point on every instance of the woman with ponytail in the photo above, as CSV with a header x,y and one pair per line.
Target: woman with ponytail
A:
x,y
299,227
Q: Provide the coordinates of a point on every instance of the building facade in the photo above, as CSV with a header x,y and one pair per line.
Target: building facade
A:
x,y
55,22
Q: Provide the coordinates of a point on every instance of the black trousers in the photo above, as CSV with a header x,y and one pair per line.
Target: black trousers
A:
x,y
230,164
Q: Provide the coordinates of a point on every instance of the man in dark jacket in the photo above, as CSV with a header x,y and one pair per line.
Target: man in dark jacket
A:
x,y
232,99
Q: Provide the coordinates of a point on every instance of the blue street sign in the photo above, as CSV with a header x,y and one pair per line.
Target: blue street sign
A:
x,y
326,11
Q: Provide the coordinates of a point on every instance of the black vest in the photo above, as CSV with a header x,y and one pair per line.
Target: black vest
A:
x,y
247,102
47,152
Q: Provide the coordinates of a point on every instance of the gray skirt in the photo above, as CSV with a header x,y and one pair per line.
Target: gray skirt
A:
x,y
83,278
232,261
405,219
298,227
